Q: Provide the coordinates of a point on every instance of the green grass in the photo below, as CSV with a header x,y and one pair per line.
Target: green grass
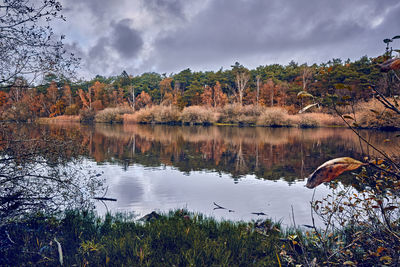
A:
x,y
178,238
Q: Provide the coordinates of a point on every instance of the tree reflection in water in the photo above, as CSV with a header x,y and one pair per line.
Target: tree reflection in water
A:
x,y
273,154
43,171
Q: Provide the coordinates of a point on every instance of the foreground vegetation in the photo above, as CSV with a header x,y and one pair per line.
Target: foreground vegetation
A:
x,y
179,238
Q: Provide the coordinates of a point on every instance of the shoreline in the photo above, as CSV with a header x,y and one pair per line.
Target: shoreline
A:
x,y
76,119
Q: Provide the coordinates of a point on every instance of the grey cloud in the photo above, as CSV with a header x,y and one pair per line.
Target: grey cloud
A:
x,y
126,40
177,34
235,30
165,8
98,8
122,41
99,49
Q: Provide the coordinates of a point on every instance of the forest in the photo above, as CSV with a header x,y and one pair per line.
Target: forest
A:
x,y
291,86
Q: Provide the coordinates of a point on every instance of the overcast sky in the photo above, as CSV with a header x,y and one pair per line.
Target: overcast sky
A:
x,y
168,36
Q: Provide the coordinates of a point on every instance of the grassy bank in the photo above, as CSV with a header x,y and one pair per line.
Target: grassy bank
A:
x,y
369,115
179,238
231,115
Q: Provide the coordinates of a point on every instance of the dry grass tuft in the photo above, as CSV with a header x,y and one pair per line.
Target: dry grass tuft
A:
x,y
62,118
235,113
373,114
275,117
112,115
313,120
154,114
198,115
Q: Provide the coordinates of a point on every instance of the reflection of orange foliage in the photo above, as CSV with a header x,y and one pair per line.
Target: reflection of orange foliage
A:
x,y
237,150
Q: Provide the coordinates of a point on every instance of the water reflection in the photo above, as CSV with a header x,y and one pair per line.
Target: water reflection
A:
x,y
158,167
42,172
272,154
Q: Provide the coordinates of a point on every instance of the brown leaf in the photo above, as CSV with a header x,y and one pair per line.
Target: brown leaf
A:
x,y
332,169
395,64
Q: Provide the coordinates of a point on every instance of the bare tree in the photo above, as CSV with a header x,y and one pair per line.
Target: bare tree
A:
x,y
241,83
306,74
28,45
258,77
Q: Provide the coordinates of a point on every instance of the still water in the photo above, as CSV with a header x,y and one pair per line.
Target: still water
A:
x,y
245,170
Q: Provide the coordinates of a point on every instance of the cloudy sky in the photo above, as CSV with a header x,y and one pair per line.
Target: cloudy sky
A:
x,y
171,35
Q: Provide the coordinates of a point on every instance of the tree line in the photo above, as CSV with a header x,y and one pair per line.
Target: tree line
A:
x,y
269,85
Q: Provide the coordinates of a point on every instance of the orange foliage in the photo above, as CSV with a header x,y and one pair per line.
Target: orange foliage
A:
x,y
52,93
57,109
143,100
97,105
67,94
213,96
86,98
3,98
165,87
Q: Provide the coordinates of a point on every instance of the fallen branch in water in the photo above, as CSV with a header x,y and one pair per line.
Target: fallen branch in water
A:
x,y
105,198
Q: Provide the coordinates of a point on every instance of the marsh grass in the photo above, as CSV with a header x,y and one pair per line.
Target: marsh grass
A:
x,y
179,238
275,117
154,114
62,118
372,114
112,115
198,115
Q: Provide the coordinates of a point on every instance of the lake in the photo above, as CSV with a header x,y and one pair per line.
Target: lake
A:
x,y
245,170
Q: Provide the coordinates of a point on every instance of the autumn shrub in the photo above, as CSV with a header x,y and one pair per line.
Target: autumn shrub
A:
x,y
112,115
274,117
230,113
198,115
166,114
307,121
144,115
130,118
72,110
154,114
87,115
235,113
373,114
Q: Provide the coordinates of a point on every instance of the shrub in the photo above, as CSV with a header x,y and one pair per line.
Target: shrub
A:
x,y
235,113
144,115
373,114
154,114
166,114
308,121
198,115
87,115
274,117
230,113
72,110
110,115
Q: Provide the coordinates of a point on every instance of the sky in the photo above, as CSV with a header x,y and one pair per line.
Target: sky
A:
x,y
168,36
